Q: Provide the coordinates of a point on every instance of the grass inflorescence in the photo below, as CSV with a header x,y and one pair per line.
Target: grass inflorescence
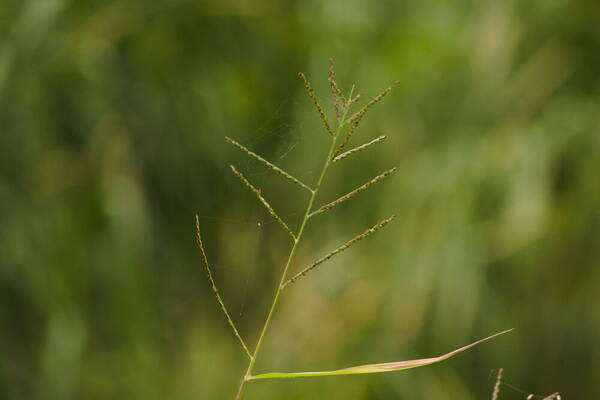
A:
x,y
340,133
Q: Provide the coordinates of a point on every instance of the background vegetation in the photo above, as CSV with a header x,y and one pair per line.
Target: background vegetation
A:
x,y
112,117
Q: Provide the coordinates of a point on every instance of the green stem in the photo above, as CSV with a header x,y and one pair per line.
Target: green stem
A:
x,y
265,328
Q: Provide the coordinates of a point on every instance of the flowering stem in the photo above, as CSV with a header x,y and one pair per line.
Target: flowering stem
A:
x,y
298,236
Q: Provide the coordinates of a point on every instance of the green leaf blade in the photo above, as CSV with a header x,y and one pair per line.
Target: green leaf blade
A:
x,y
376,368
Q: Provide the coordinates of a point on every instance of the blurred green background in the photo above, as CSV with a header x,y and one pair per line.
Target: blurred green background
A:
x,y
112,117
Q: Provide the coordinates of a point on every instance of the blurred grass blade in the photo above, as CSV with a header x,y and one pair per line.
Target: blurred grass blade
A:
x,y
375,368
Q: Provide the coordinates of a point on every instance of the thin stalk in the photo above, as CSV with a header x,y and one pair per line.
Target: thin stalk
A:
x,y
265,328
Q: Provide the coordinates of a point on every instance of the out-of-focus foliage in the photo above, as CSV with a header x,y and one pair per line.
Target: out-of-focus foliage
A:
x,y
112,117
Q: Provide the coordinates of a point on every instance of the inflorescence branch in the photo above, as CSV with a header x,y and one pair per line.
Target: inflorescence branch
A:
x,y
313,96
352,193
357,149
215,290
339,101
268,164
343,247
261,198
